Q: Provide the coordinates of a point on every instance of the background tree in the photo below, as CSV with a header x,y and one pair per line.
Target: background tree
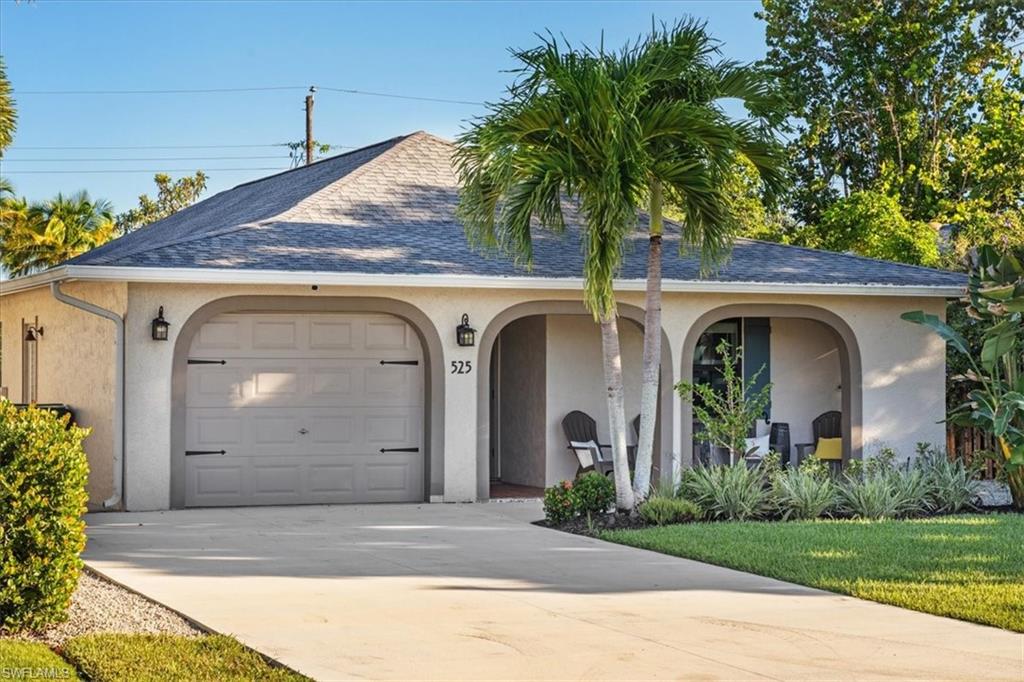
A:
x,y
297,151
8,114
872,224
38,236
901,97
171,197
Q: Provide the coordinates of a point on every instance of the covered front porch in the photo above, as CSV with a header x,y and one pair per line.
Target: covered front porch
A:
x,y
802,365
545,371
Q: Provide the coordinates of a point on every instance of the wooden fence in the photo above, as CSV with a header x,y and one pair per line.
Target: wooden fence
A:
x,y
965,442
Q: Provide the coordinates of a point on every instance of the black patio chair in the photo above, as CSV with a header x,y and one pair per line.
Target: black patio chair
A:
x,y
825,425
581,428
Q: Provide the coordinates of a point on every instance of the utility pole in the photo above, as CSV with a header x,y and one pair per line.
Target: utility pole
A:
x,y
309,125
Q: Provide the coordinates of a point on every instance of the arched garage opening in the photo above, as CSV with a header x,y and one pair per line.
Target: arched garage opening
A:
x,y
293,400
538,361
809,354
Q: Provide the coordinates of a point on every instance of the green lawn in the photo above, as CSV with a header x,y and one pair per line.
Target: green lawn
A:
x,y
141,658
969,567
32,660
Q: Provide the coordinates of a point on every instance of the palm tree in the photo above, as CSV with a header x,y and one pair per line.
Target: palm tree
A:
x,y
691,147
613,134
39,236
8,115
559,136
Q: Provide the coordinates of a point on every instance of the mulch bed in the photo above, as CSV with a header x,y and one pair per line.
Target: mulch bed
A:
x,y
596,523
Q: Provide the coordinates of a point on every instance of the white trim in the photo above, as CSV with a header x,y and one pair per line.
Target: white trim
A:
x,y
230,276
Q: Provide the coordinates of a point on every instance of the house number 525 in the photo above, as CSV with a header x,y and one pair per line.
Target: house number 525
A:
x,y
462,366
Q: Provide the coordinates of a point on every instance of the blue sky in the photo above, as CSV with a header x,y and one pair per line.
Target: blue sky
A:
x,y
431,49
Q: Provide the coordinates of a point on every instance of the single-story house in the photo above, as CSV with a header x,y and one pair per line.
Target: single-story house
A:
x,y
311,353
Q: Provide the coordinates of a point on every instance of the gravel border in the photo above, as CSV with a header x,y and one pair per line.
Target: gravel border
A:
x,y
102,606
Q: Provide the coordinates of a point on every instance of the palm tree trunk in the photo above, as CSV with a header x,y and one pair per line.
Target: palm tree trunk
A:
x,y
616,410
652,352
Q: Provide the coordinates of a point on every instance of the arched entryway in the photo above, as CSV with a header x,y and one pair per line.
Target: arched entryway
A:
x,y
294,400
815,333
541,326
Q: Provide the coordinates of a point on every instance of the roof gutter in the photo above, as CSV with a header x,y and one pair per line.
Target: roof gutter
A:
x,y
238,276
117,499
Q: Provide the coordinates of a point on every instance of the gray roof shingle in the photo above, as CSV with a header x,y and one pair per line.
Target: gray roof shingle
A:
x,y
390,209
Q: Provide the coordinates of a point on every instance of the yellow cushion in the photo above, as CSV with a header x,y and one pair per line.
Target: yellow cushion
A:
x,y
829,448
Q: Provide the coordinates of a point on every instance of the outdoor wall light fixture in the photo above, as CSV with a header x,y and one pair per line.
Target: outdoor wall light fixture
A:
x,y
32,334
465,335
160,326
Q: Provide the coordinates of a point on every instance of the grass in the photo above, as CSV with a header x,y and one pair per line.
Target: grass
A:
x,y
969,567
32,660
142,658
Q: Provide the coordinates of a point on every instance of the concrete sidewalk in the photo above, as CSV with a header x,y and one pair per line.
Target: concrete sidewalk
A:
x,y
476,592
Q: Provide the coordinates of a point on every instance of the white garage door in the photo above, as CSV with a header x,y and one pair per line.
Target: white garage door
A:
x,y
304,409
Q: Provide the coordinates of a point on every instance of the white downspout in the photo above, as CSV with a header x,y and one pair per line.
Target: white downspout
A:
x,y
118,421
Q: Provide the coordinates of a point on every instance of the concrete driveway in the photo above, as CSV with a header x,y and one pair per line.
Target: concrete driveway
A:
x,y
476,592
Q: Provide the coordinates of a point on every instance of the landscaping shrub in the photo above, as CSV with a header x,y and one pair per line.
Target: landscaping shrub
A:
x,y
662,511
734,493
884,495
593,493
806,492
953,485
559,505
43,473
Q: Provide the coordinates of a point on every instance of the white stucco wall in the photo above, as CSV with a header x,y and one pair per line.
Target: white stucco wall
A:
x,y
575,381
903,378
805,374
75,363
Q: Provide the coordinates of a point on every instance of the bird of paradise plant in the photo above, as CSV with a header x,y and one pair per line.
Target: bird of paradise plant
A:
x,y
995,298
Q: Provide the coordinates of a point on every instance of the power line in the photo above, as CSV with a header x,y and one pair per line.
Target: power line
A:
x,y
165,146
179,91
144,170
395,96
207,91
146,158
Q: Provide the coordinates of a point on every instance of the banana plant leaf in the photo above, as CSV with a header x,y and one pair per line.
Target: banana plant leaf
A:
x,y
933,322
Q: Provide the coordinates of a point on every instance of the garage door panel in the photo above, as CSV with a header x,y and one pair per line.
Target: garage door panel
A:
x,y
275,334
336,335
223,333
223,431
303,407
217,481
216,385
331,382
277,479
273,383
388,334
331,479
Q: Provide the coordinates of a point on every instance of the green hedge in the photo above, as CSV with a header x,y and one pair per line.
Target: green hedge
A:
x,y
43,471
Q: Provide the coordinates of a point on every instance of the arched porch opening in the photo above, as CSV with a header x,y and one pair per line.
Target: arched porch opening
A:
x,y
538,361
811,357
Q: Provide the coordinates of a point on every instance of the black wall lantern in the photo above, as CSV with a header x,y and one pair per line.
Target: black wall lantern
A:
x,y
160,326
32,334
465,334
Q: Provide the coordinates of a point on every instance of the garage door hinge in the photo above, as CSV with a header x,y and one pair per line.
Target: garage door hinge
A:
x,y
193,361
399,362
189,453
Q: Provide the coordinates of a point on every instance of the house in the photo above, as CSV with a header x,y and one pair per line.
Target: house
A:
x,y
311,354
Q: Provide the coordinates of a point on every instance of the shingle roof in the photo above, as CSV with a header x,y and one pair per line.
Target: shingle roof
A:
x,y
390,209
